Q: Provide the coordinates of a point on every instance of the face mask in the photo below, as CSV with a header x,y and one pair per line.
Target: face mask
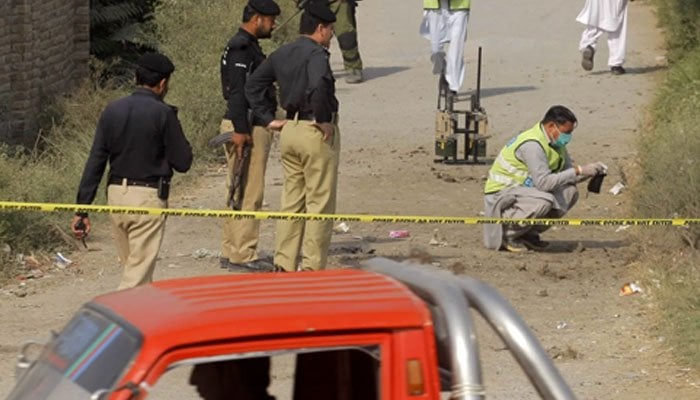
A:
x,y
563,139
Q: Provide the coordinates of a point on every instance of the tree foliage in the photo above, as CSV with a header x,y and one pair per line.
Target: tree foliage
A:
x,y
120,31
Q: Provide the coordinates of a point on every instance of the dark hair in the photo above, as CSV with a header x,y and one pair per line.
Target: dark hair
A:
x,y
149,78
308,24
248,13
559,115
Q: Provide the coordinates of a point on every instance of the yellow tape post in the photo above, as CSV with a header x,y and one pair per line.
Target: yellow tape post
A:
x,y
394,219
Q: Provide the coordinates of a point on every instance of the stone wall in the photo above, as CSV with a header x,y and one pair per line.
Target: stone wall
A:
x,y
44,48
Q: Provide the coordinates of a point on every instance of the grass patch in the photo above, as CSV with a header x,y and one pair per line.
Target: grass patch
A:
x,y
669,182
677,279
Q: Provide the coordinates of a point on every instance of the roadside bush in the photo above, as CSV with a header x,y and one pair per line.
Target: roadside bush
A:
x,y
670,182
681,20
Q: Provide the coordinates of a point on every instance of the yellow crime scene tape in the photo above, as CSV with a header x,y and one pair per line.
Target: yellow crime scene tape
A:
x,y
271,215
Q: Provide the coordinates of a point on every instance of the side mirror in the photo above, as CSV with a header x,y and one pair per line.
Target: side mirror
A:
x,y
25,359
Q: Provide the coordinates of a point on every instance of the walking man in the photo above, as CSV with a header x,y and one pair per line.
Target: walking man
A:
x,y
141,138
533,177
609,17
445,21
240,58
309,140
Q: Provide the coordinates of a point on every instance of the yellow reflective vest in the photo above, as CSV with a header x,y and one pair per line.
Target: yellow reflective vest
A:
x,y
454,4
507,171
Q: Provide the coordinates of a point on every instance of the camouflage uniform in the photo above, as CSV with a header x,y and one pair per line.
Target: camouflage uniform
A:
x,y
346,32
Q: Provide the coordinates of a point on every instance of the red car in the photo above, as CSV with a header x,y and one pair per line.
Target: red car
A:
x,y
387,331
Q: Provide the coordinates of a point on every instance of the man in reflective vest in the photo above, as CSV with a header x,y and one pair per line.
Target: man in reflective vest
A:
x,y
445,21
533,177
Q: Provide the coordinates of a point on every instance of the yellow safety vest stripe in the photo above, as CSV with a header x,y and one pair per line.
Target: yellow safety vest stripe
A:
x,y
453,4
508,171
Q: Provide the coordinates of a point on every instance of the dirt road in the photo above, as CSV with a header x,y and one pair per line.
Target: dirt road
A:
x,y
606,346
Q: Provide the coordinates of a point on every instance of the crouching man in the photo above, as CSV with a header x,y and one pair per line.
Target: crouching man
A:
x,y
533,177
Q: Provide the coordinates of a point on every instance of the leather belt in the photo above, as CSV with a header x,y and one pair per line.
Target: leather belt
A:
x,y
132,182
309,116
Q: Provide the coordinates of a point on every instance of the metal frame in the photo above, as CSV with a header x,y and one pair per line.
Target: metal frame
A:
x,y
454,296
462,122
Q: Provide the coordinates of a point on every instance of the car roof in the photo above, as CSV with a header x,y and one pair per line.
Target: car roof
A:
x,y
208,308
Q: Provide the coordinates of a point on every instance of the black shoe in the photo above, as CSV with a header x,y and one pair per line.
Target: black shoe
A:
x,y
233,267
259,265
533,242
587,58
278,268
617,70
224,263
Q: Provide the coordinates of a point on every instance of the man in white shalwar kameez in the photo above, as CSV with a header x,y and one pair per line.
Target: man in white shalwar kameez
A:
x,y
445,21
609,17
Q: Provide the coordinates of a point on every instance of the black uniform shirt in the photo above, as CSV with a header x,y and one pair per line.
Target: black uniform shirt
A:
x,y
141,137
241,57
305,79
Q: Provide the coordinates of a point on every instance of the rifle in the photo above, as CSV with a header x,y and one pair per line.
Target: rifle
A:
x,y
239,178
300,7
239,175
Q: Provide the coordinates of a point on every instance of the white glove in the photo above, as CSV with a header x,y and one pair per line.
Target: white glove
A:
x,y
592,169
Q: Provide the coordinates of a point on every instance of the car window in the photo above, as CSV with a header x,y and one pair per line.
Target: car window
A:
x,y
89,354
304,374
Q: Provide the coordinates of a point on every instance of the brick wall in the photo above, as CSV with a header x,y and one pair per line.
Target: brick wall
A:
x,y
44,47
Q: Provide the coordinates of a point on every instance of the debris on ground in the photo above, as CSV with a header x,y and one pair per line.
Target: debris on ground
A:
x,y
61,262
205,253
563,354
399,234
436,240
341,228
615,190
630,288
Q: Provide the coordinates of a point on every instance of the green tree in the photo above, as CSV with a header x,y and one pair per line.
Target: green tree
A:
x,y
120,31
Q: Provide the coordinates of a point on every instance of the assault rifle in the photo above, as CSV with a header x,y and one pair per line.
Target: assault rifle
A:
x,y
239,175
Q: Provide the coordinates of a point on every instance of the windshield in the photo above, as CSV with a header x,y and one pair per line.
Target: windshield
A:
x,y
89,354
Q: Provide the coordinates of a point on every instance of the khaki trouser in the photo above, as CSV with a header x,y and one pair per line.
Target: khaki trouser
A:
x,y
138,237
239,240
310,167
345,28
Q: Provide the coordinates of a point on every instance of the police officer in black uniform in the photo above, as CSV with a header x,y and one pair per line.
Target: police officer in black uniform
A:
x,y
240,58
310,138
141,138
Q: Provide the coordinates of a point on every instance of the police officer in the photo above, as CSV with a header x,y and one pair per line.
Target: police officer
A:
x,y
310,139
240,58
141,138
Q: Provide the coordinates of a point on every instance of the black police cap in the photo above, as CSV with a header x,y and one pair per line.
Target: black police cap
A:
x,y
265,7
320,11
156,62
